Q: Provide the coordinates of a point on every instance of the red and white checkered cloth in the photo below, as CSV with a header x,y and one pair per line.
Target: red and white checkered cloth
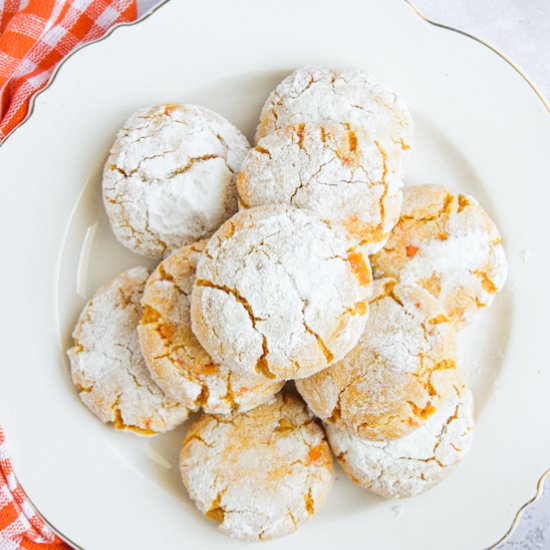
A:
x,y
20,525
35,35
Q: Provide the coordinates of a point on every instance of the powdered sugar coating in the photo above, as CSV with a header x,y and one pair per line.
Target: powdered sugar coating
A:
x,y
107,366
176,360
260,473
280,293
170,177
415,463
314,94
398,374
449,245
336,170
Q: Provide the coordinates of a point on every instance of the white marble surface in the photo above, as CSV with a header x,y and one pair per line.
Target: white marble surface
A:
x,y
518,28
521,30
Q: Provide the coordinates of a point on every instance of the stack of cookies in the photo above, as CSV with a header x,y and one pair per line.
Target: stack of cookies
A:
x,y
267,256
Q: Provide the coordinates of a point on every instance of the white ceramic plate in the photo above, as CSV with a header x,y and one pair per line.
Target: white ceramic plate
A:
x,y
480,129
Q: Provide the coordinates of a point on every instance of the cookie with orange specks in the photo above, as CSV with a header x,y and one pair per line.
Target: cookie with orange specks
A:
x,y
399,373
280,292
170,177
107,366
315,94
339,171
447,244
417,462
261,473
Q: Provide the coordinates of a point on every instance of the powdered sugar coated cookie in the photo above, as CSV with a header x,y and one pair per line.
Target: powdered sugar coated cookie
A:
x,y
107,366
415,463
260,473
336,170
176,360
279,292
449,245
170,177
314,94
398,374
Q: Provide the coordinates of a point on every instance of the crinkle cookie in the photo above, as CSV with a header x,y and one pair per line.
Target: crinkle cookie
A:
x,y
279,292
314,94
336,170
107,366
260,473
176,360
415,463
394,380
449,245
170,177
